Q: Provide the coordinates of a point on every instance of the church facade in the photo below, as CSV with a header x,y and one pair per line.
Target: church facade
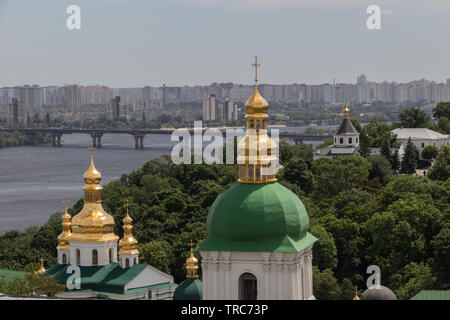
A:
x,y
89,261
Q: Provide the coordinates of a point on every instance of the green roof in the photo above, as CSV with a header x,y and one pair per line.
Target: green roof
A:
x,y
432,295
109,278
8,275
189,289
263,217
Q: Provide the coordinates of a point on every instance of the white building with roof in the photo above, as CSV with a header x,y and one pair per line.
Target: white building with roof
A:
x,y
421,137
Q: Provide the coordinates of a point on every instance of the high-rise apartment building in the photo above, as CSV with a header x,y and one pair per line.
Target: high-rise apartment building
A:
x,y
30,96
116,110
73,96
17,113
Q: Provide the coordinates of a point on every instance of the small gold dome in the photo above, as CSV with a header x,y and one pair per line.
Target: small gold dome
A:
x,y
191,264
41,269
92,175
256,103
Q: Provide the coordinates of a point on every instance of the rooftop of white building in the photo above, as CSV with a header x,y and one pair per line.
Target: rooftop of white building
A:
x,y
419,133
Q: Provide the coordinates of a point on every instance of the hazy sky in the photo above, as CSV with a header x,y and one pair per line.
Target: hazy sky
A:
x,y
186,42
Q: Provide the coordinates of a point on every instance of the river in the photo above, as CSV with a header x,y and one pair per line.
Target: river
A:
x,y
35,179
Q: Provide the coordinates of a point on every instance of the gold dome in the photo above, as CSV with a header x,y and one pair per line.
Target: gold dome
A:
x,y
64,237
128,244
256,151
41,269
191,264
92,175
256,103
92,223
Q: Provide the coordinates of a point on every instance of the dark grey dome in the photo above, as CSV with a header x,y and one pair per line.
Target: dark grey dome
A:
x,y
383,293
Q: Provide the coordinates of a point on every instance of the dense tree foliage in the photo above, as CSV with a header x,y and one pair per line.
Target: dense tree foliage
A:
x,y
15,139
414,118
360,213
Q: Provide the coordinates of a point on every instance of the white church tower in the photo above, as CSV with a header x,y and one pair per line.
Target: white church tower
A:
x,y
258,245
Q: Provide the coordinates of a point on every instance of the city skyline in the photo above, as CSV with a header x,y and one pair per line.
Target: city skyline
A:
x,y
178,42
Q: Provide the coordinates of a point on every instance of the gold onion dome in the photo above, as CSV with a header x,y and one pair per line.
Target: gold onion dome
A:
x,y
356,294
92,223
64,237
41,269
191,264
256,157
128,244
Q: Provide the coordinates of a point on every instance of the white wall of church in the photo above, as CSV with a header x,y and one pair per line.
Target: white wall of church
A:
x,y
347,140
86,248
280,276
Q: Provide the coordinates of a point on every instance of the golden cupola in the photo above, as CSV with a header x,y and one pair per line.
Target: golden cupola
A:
x,y
191,264
92,223
256,151
64,237
128,244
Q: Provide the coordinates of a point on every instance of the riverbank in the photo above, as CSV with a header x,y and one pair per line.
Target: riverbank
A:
x,y
17,139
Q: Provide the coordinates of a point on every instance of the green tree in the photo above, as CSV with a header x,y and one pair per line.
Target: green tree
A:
x,y
297,172
414,118
385,148
325,285
363,138
409,160
381,168
413,278
325,254
441,167
395,162
430,152
157,254
442,109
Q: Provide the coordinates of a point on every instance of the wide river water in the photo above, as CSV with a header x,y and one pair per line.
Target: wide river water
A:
x,y
35,179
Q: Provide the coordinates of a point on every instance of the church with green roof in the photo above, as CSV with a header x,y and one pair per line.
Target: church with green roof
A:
x,y
258,245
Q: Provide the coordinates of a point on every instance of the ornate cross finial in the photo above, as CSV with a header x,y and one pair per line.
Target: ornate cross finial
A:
x,y
92,149
126,205
42,261
66,202
191,243
256,65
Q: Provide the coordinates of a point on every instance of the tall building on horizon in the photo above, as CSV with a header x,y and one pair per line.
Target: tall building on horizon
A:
x,y
17,113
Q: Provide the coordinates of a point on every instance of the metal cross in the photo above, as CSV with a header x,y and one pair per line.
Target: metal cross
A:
x,y
65,201
256,65
92,149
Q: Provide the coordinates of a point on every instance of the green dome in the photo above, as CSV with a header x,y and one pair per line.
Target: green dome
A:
x,y
257,217
189,289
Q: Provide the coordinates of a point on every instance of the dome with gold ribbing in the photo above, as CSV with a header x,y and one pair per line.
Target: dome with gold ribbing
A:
x,y
92,223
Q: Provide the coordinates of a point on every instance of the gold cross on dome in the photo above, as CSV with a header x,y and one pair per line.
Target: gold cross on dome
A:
x,y
41,260
92,149
126,205
256,65
191,244
65,201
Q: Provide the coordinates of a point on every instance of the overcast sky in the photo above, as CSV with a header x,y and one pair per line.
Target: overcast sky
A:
x,y
188,42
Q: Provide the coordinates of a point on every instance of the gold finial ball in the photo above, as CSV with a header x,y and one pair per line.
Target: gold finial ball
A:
x,y
346,111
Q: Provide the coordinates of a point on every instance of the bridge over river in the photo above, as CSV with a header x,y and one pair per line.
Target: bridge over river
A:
x,y
139,134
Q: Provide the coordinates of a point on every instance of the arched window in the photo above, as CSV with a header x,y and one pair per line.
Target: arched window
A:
x,y
78,257
350,140
64,259
110,255
127,262
94,257
341,140
247,287
134,261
